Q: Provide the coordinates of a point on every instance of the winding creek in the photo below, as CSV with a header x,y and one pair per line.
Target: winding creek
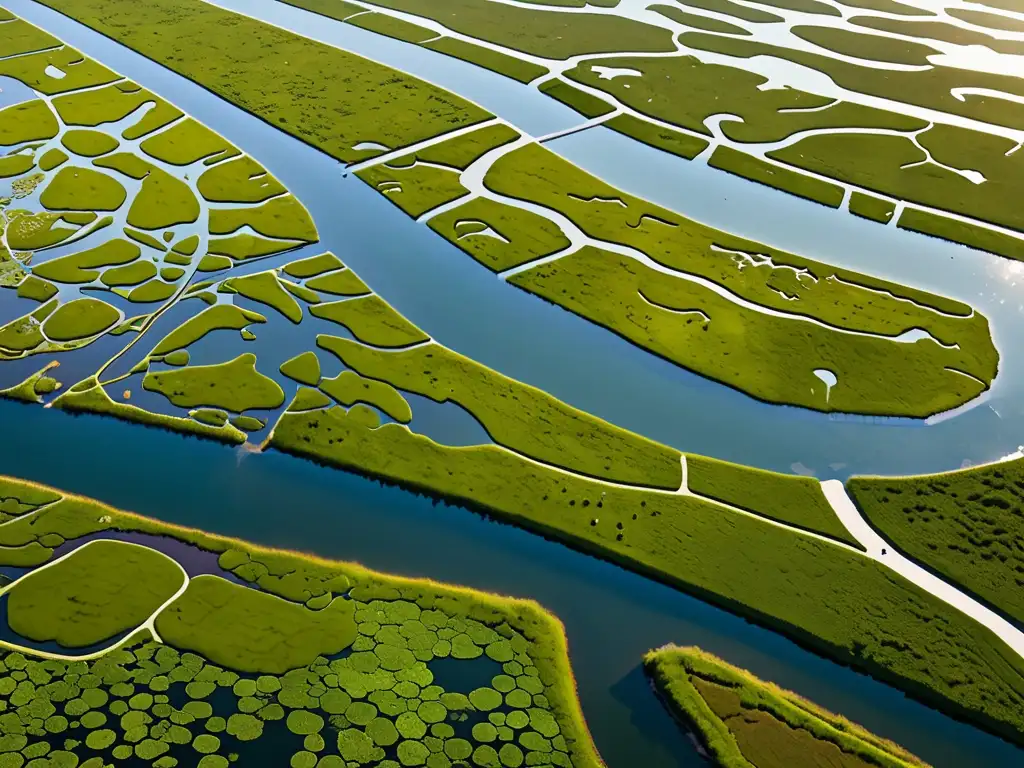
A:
x,y
611,616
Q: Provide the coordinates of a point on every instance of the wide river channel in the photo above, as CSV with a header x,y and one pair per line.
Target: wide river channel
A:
x,y
612,616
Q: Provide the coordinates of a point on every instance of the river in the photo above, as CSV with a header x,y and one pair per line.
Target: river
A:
x,y
611,615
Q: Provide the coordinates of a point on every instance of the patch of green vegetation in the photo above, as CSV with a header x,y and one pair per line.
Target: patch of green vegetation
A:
x,y
27,121
694,326
21,37
520,417
887,6
497,235
776,176
234,386
186,246
78,71
314,265
966,525
144,238
152,291
416,188
766,114
496,61
283,217
871,207
157,117
101,105
349,388
743,721
51,159
241,180
674,142
221,316
132,274
88,143
302,292
804,6
383,24
80,319
735,10
84,266
278,636
245,246
163,201
939,30
990,20
213,263
343,282
265,288
16,165
171,274
696,21
371,320
332,9
185,143
982,238
177,357
861,45
930,87
35,231
372,103
307,399
94,399
30,390
381,692
82,189
37,290
248,423
211,416
586,104
860,614
96,593
541,32
796,501
303,368
464,150
23,333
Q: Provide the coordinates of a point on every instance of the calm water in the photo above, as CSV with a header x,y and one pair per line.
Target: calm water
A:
x,y
611,616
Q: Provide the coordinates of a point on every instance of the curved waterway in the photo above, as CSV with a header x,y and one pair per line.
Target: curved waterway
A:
x,y
425,278
611,615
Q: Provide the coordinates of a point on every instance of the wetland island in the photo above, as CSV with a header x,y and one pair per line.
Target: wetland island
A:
x,y
500,383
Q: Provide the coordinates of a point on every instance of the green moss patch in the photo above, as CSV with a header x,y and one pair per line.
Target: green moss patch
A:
x,y
498,236
163,201
21,37
982,238
102,105
83,189
80,319
96,593
28,121
965,525
51,159
278,635
241,247
349,388
235,386
88,143
85,266
303,368
512,412
265,288
185,143
241,180
314,265
383,24
79,72
775,176
586,104
283,217
417,188
463,150
224,316
372,320
696,21
37,290
343,282
496,61
796,501
744,721
871,207
657,136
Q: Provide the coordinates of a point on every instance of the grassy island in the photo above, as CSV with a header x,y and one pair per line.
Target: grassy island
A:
x,y
325,663
744,722
967,526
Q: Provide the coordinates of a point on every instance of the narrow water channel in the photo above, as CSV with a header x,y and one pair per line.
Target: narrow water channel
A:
x,y
612,616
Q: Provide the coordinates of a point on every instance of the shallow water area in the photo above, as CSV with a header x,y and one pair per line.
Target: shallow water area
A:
x,y
521,336
276,500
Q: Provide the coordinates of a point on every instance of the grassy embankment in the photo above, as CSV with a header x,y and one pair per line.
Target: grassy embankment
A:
x,y
967,526
271,656
745,722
